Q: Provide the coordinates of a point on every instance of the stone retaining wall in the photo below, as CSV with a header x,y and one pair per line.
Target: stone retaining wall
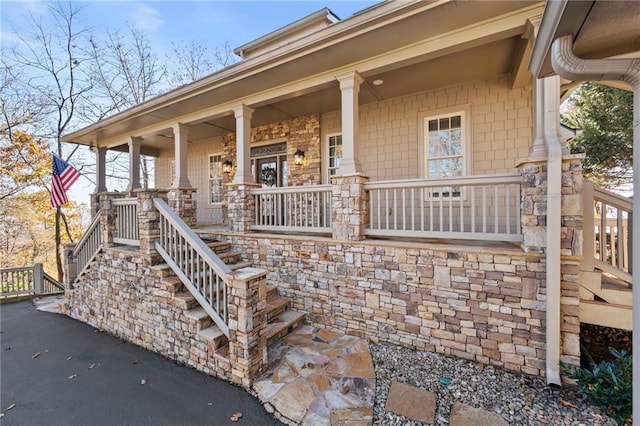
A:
x,y
123,296
486,305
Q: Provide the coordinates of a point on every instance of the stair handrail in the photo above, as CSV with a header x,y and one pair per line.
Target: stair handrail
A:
x,y
89,245
50,284
620,244
205,275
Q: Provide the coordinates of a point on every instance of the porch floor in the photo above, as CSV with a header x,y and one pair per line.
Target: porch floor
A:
x,y
456,245
319,377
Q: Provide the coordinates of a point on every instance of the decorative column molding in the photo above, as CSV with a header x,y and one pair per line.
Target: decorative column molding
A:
x,y
180,134
134,163
101,172
243,144
350,88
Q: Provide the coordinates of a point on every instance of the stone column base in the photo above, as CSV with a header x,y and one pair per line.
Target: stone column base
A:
x,y
350,207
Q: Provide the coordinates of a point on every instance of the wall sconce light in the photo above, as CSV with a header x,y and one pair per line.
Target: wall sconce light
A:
x,y
298,157
226,167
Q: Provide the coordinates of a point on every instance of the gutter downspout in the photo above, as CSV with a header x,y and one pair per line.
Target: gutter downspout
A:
x,y
566,64
548,93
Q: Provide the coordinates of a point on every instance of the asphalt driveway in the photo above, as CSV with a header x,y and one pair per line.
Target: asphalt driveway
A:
x,y
58,371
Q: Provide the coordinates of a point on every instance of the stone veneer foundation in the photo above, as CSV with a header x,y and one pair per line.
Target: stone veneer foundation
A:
x,y
482,304
122,295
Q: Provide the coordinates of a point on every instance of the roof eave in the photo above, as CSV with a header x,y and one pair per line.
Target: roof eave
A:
x,y
356,22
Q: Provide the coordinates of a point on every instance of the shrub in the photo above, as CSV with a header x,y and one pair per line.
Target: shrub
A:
x,y
608,385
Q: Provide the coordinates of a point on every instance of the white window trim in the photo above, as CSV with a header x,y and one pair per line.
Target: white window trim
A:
x,y
325,156
209,202
465,112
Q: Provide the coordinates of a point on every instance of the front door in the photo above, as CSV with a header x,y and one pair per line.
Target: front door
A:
x,y
268,175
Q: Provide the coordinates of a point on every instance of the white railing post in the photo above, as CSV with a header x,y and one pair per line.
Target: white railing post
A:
x,y
588,226
38,278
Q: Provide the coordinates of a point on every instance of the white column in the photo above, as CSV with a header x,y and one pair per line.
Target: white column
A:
x,y
101,181
349,88
134,163
180,134
243,144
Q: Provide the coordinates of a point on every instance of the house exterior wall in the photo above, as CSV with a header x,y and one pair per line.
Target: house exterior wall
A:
x,y
501,128
300,133
485,305
389,144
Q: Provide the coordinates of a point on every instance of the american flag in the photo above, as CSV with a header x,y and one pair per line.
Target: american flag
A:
x,y
63,177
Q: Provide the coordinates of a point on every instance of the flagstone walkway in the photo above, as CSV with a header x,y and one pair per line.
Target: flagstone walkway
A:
x,y
319,377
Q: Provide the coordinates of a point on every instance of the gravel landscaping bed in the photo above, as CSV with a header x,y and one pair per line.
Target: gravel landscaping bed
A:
x,y
518,398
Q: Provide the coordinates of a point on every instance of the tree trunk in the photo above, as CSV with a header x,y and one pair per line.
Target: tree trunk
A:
x,y
58,240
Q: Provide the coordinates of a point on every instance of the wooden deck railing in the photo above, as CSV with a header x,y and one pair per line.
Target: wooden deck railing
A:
x,y
607,232
198,267
127,230
293,208
26,281
475,207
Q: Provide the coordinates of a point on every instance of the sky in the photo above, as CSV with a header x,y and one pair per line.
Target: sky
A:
x,y
213,23
164,22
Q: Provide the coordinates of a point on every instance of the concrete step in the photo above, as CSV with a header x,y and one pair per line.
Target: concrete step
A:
x,y
282,325
214,337
276,306
200,316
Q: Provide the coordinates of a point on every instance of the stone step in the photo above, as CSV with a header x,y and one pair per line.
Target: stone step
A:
x,y
222,357
272,291
184,300
276,306
282,325
162,270
239,265
214,337
200,316
229,257
172,284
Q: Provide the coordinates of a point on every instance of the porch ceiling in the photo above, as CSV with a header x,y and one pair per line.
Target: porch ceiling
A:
x,y
424,36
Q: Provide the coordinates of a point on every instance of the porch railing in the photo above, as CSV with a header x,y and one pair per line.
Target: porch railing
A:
x,y
198,267
294,208
607,231
475,207
127,230
89,245
26,281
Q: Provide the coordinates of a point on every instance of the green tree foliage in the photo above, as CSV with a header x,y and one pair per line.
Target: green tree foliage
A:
x,y
605,115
